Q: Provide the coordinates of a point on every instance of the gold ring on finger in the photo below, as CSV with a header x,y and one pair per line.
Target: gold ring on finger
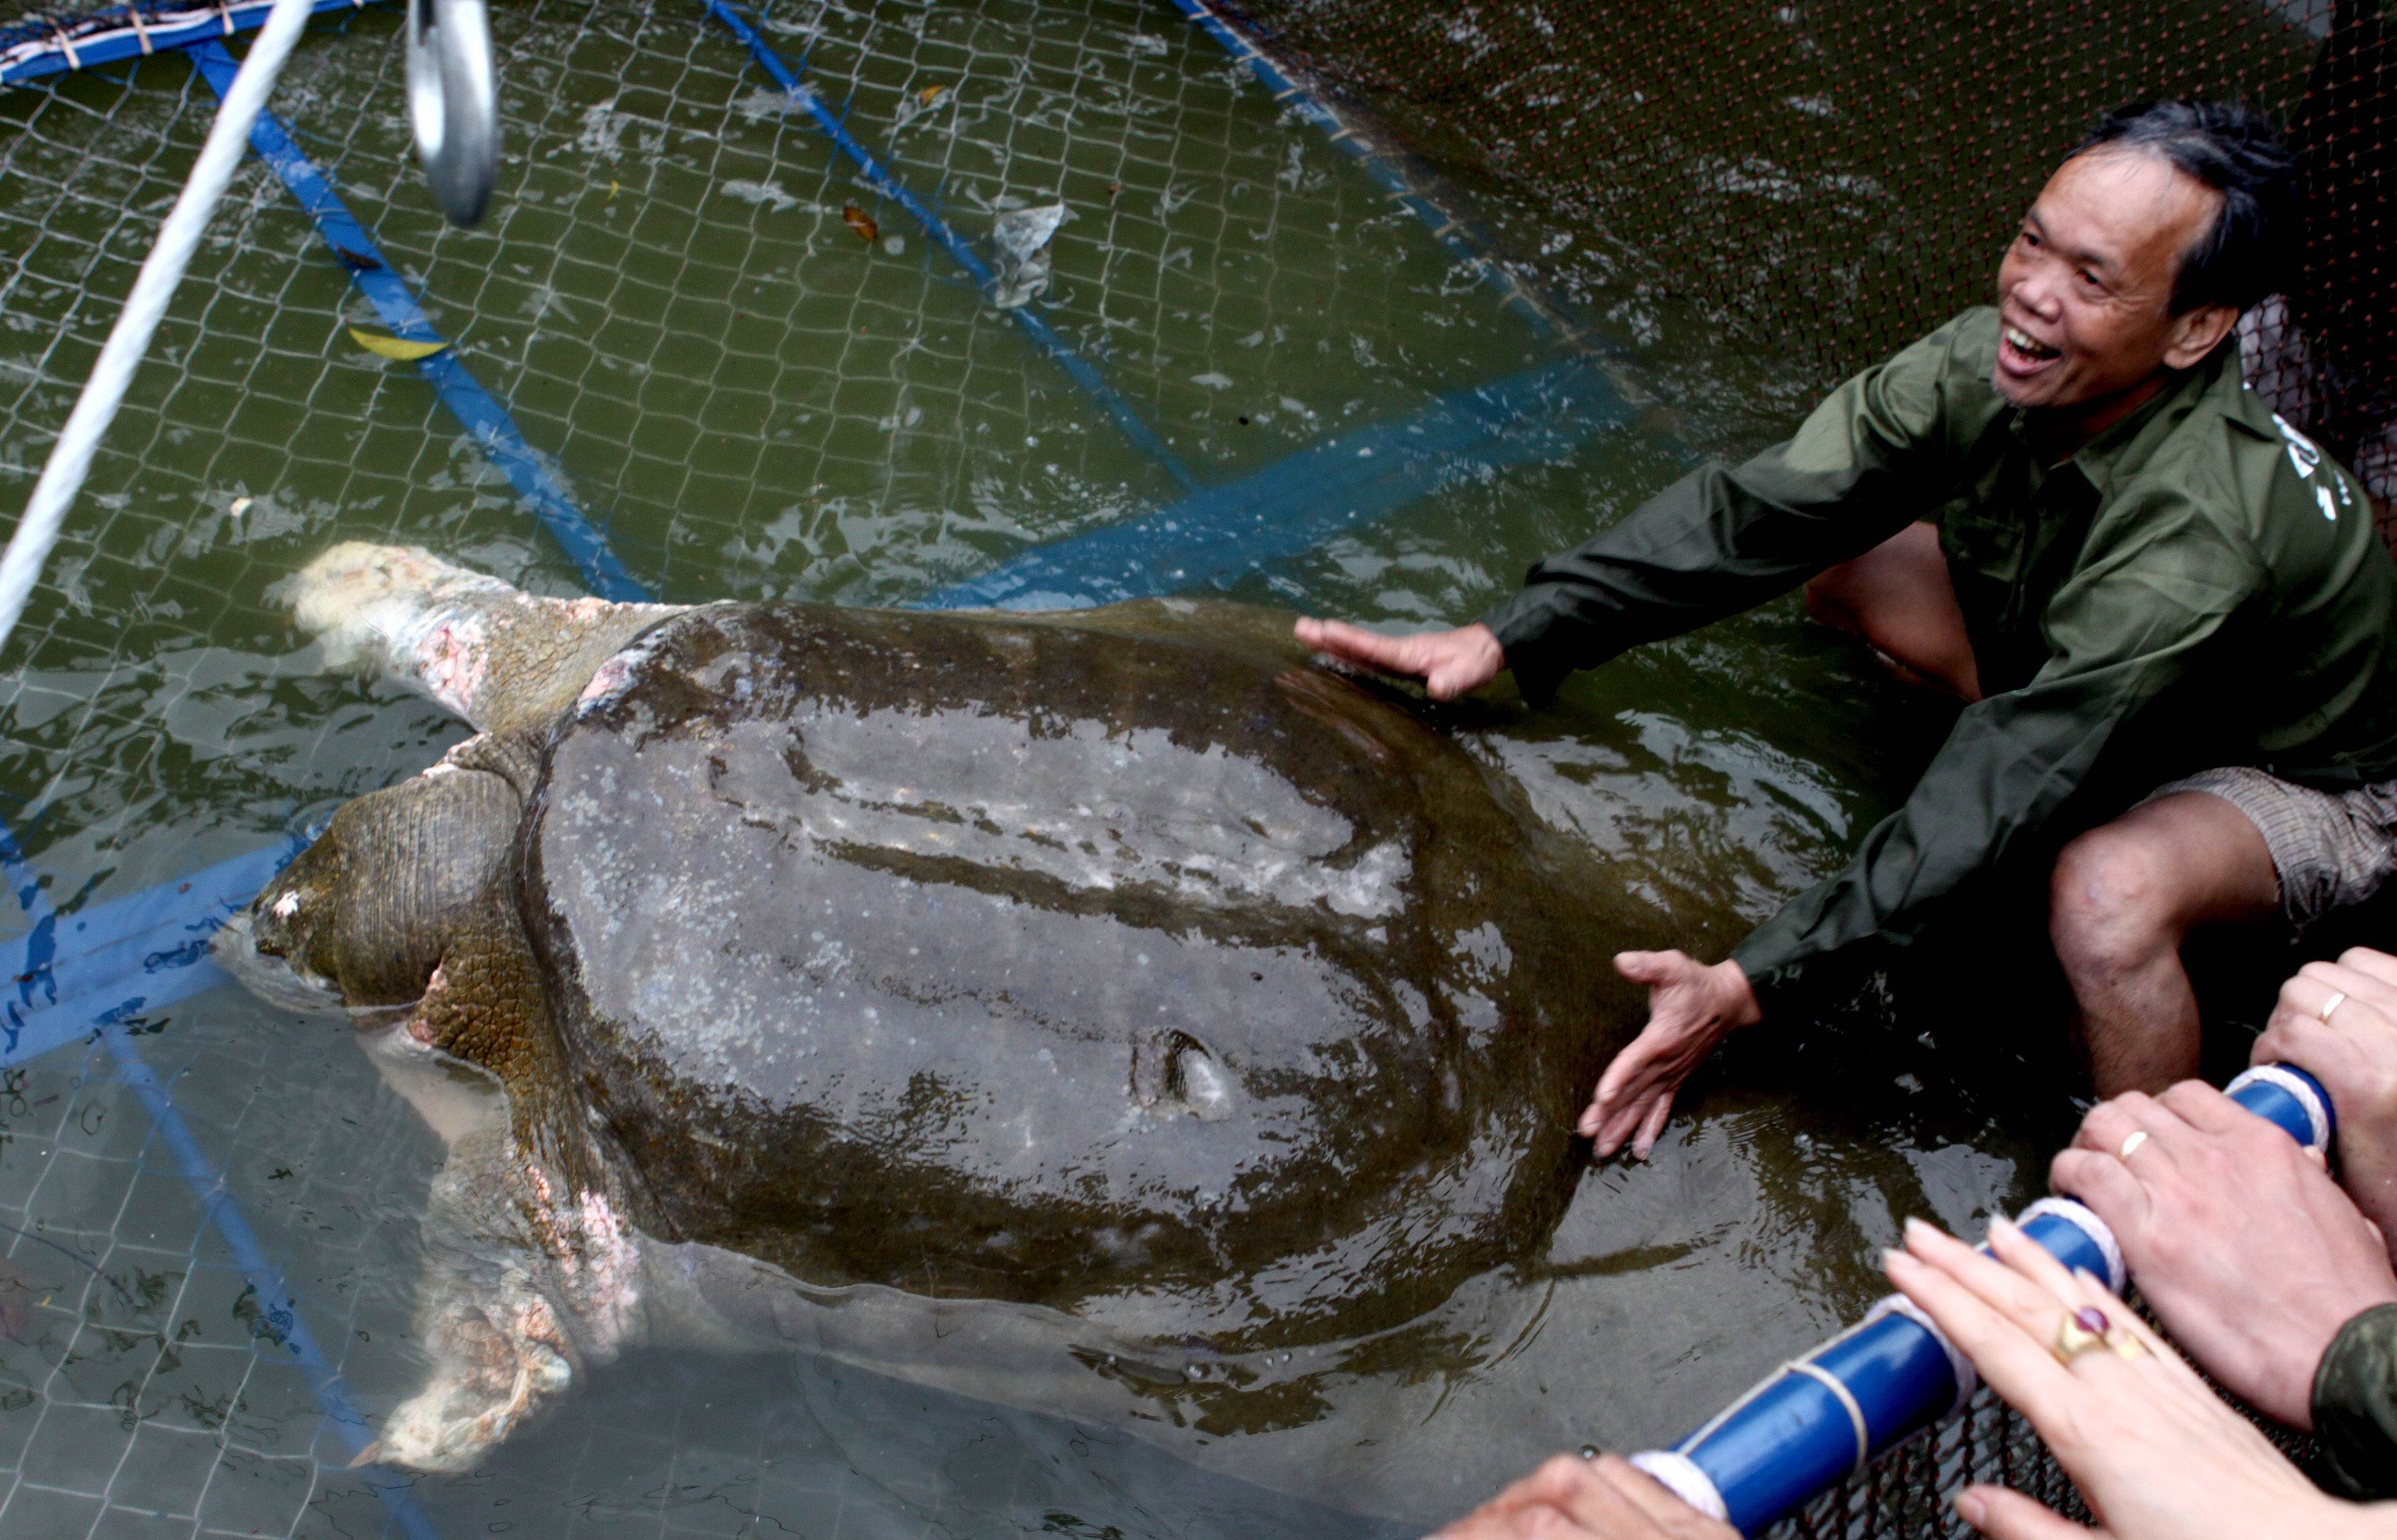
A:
x,y
2337,998
2079,1332
2086,1329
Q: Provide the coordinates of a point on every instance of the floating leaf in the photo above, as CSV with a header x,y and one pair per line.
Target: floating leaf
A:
x,y
860,220
930,94
398,349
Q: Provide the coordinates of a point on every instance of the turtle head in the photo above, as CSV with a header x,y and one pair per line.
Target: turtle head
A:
x,y
267,946
363,916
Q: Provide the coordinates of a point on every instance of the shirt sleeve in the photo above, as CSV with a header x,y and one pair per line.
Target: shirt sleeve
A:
x,y
1871,459
2157,583
2355,1406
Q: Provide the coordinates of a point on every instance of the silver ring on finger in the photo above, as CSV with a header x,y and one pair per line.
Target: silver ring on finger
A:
x,y
2330,1007
2138,1137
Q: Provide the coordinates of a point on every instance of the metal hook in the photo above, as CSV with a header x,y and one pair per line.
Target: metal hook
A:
x,y
453,103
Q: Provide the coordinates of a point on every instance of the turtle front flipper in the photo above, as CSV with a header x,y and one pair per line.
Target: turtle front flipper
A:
x,y
499,1352
503,659
526,1282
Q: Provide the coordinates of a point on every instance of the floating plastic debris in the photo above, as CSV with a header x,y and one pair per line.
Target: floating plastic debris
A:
x,y
1022,236
771,101
400,350
762,192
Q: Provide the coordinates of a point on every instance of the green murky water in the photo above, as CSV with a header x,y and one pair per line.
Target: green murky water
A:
x,y
751,398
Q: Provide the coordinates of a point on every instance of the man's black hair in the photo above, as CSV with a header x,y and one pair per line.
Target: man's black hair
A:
x,y
2233,149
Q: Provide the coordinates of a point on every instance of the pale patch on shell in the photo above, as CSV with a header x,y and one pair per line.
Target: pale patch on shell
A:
x,y
288,906
607,680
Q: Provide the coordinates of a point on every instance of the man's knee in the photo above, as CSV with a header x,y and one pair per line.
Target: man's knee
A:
x,y
1831,599
2111,905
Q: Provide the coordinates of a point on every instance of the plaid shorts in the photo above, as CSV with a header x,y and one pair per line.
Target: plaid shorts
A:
x,y
2330,848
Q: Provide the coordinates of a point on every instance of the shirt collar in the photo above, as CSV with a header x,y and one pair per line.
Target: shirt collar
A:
x,y
2122,449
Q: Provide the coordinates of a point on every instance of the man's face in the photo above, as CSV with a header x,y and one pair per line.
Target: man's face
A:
x,y
2084,291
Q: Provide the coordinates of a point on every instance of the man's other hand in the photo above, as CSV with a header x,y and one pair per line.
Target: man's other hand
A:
x,y
1691,1008
1607,1498
2355,1055
2249,1253
1449,662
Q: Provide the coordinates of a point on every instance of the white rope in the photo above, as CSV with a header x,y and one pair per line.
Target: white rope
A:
x,y
1847,1399
70,459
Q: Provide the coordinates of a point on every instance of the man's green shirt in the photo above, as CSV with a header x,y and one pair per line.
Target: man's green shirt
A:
x,y
2197,585
2355,1407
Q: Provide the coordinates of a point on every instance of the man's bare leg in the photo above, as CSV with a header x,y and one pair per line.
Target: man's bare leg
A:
x,y
2124,899
1898,598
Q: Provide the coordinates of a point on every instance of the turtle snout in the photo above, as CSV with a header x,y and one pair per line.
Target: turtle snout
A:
x,y
281,920
257,948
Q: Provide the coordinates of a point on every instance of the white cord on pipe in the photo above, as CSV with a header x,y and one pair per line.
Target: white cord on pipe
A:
x,y
46,511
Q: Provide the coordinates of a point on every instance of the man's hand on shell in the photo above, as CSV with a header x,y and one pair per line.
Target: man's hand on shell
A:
x,y
2251,1256
1449,662
1691,1008
2337,1021
1603,1499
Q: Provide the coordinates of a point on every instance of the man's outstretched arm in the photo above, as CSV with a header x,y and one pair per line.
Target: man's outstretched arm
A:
x,y
2158,586
1723,538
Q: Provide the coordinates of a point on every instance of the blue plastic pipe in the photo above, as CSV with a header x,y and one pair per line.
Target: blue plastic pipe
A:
x,y
1818,1420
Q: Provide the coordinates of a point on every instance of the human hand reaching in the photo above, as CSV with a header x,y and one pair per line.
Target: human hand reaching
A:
x,y
1449,662
1603,1499
2351,1048
1691,1008
2250,1254
2155,1452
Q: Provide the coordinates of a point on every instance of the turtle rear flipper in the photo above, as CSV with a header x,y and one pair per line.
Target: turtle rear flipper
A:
x,y
503,659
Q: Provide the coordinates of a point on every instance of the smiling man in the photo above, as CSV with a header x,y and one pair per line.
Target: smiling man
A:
x,y
2068,511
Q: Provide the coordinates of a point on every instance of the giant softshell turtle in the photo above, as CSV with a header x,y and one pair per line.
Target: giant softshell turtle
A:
x,y
1105,1010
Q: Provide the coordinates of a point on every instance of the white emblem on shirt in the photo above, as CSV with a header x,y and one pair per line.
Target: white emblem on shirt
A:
x,y
2302,453
2321,497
